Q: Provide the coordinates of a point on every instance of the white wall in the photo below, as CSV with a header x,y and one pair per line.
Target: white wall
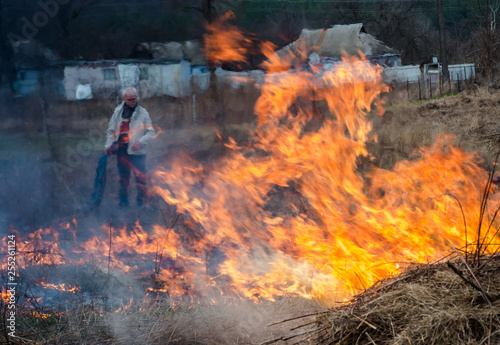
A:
x,y
181,80
411,73
401,74
150,79
462,72
82,75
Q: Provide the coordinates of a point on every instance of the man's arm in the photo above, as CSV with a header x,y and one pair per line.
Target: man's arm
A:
x,y
110,134
149,131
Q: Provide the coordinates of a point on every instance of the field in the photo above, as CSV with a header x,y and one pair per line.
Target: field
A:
x,y
148,276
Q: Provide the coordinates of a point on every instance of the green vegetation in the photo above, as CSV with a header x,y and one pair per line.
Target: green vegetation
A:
x,y
440,96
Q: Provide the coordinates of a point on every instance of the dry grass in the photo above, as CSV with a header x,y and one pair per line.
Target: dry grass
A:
x,y
454,301
473,116
236,322
427,304
440,303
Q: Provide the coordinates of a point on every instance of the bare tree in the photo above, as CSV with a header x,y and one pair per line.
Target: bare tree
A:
x,y
488,38
494,7
442,40
349,11
212,9
7,66
397,24
67,15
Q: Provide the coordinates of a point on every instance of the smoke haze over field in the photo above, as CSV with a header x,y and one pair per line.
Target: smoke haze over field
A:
x,y
216,324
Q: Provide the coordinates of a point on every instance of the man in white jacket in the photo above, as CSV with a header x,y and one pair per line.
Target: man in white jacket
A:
x,y
129,134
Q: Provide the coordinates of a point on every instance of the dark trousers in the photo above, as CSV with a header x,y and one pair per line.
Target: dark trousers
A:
x,y
126,164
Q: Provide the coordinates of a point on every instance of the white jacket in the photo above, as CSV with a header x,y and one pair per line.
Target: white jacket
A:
x,y
140,129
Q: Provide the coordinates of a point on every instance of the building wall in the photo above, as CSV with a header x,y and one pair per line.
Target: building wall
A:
x,y
413,73
150,79
103,81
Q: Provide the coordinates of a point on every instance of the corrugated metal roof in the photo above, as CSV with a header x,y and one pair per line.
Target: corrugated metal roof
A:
x,y
332,42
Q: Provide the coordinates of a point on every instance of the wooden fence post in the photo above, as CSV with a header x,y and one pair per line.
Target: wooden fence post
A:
x,y
440,83
419,90
430,86
407,89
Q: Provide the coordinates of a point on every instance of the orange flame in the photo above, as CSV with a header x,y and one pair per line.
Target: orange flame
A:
x,y
291,213
124,308
342,234
224,42
5,296
60,287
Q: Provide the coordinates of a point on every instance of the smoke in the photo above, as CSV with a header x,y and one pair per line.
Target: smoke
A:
x,y
24,182
212,322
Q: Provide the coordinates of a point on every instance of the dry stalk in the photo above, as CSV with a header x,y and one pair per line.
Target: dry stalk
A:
x,y
364,321
303,325
463,216
286,337
297,317
480,246
370,338
171,335
481,289
109,248
485,295
459,273
159,253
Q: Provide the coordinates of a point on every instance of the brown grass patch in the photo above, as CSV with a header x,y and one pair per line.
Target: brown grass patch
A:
x,y
452,302
473,116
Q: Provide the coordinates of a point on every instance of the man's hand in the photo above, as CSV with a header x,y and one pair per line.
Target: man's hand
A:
x,y
110,150
496,179
137,146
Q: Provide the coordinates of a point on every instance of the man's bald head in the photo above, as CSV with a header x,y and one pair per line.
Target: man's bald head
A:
x,y
130,97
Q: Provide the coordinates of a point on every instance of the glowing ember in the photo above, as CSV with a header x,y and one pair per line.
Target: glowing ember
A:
x,y
5,296
60,287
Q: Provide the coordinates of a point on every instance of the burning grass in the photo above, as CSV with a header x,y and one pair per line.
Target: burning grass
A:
x,y
453,301
239,257
155,322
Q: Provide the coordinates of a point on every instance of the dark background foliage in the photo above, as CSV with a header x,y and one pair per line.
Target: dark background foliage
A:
x,y
109,29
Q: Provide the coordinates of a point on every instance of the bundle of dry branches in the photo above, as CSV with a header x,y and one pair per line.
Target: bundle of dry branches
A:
x,y
452,302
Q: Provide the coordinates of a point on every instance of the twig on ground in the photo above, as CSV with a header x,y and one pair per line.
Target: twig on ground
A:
x,y
364,321
24,339
370,338
481,289
460,274
298,317
285,337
